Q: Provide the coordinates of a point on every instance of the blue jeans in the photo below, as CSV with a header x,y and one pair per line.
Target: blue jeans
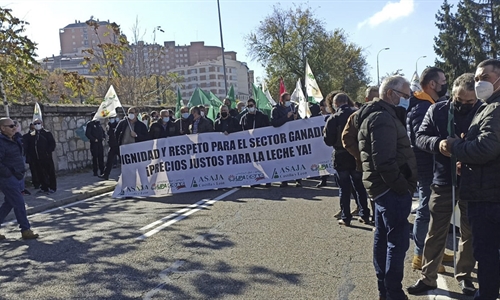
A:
x,y
11,188
391,242
346,180
485,224
422,218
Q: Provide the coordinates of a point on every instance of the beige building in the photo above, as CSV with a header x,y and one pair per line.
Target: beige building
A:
x,y
209,76
79,36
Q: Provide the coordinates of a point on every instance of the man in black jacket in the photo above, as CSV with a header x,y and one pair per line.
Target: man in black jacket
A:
x,y
29,159
182,124
226,123
479,157
11,174
389,175
40,146
285,111
113,147
95,133
253,118
130,129
344,163
163,127
433,130
200,124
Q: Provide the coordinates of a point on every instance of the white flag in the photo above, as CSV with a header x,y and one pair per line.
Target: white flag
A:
x,y
415,83
108,106
299,98
312,89
268,95
37,113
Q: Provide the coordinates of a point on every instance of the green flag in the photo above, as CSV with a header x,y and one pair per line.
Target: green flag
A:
x,y
231,97
451,133
215,105
198,97
261,101
178,105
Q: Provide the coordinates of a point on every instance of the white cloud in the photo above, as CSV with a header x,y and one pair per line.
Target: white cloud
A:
x,y
390,12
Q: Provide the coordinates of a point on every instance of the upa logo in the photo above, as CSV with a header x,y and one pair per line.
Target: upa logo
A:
x,y
253,176
207,180
314,167
169,185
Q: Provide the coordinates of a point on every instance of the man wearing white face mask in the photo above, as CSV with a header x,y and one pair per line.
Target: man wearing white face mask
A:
x,y
253,118
163,127
479,155
434,86
130,130
285,111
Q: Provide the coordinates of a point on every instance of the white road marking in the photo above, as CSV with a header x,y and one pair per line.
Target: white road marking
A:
x,y
442,292
183,213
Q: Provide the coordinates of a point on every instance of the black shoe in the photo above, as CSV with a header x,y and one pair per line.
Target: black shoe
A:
x,y
419,287
467,287
345,223
366,221
103,176
25,192
268,184
322,183
284,184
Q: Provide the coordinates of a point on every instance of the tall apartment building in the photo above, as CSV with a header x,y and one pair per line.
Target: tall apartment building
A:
x,y
79,36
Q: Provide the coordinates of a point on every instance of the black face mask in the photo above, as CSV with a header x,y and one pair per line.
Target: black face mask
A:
x,y
223,114
444,89
463,109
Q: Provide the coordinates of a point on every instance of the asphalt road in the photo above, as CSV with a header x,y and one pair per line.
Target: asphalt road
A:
x,y
247,243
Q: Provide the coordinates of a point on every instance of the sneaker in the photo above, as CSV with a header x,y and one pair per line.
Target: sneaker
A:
x,y
355,212
2,237
338,215
447,257
467,287
28,235
322,183
104,176
25,192
298,184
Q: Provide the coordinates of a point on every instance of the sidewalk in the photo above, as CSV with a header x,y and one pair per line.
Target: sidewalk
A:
x,y
71,187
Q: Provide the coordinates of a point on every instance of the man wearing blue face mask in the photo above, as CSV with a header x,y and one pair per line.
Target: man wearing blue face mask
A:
x,y
434,86
479,155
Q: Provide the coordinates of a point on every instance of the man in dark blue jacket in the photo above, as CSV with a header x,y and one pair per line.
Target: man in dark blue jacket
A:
x,y
11,174
344,163
285,111
433,82
432,132
129,130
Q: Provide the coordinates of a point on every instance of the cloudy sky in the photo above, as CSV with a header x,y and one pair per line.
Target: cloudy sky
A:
x,y
405,26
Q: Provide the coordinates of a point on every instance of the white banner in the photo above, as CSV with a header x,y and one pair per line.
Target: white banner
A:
x,y
213,160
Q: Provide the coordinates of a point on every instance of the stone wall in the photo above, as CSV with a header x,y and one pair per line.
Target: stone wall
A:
x,y
67,124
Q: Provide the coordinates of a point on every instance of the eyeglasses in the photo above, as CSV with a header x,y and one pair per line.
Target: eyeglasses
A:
x,y
406,96
10,125
251,105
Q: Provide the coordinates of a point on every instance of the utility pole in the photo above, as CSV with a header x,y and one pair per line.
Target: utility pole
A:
x,y
222,46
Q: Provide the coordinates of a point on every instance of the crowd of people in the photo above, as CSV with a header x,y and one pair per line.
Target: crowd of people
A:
x,y
398,142
424,140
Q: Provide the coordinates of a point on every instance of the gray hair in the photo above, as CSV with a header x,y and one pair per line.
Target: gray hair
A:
x,y
4,121
464,82
371,89
392,83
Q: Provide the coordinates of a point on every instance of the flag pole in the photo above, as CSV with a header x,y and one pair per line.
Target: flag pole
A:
x,y
451,133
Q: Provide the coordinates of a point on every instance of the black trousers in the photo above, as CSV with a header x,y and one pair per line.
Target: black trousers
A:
x,y
97,151
46,174
34,175
112,153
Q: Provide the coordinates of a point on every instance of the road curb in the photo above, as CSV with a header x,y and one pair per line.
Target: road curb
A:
x,y
70,199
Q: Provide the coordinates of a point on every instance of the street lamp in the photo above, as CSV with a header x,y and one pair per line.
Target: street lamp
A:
x,y
378,75
416,63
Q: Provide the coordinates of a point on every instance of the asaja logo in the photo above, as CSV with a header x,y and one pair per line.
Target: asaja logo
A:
x,y
207,180
289,171
140,189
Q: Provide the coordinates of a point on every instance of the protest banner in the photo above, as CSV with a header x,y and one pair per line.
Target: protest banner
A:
x,y
213,160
